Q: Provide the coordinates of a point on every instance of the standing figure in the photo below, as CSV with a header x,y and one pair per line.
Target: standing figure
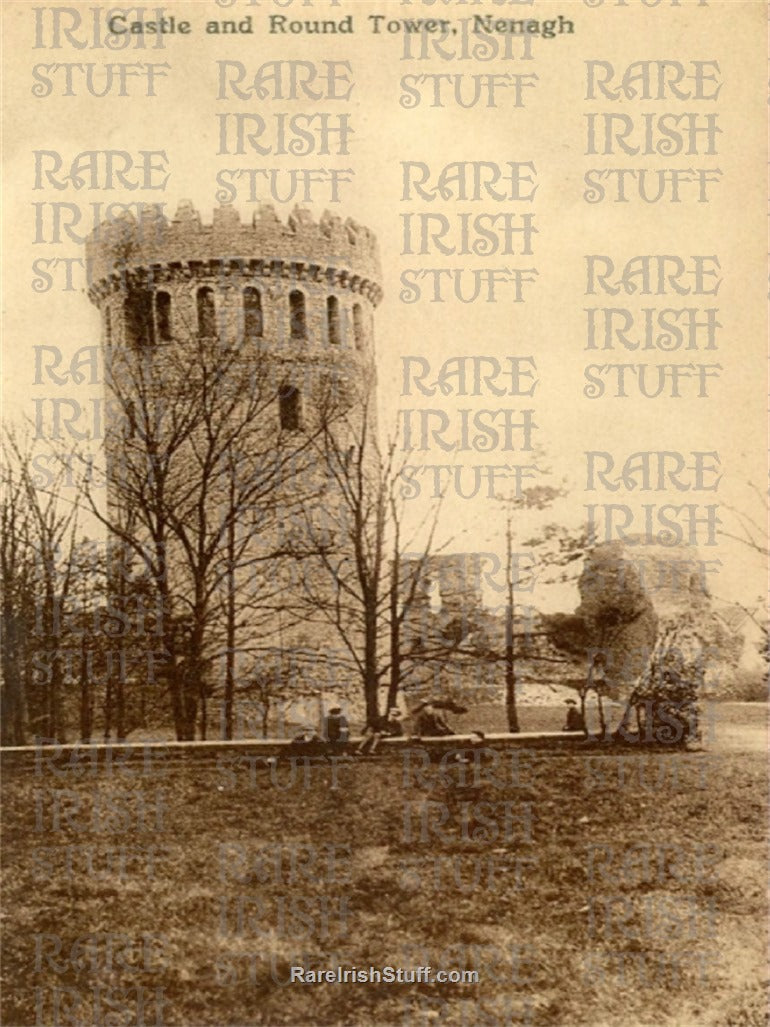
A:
x,y
597,680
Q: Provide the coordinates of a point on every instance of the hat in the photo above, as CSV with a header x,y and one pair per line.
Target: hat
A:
x,y
571,702
335,709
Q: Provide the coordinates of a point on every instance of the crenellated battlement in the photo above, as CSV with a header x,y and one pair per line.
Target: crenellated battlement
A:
x,y
343,250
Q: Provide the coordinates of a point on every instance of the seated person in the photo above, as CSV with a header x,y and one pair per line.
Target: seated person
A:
x,y
575,720
429,723
336,729
307,734
306,742
390,726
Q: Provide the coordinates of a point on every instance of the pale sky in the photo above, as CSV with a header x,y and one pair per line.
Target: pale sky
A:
x,y
549,131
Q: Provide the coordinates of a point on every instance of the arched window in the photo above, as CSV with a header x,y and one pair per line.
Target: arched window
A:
x,y
131,419
138,318
333,320
358,326
252,313
289,408
163,316
207,318
297,319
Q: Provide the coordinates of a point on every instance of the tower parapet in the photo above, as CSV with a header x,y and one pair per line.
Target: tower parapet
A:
x,y
343,253
306,288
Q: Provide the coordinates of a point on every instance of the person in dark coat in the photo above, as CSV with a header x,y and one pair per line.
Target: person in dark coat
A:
x,y
336,730
575,720
430,724
392,726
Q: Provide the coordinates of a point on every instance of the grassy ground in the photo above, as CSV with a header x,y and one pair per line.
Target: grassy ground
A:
x,y
584,890
726,726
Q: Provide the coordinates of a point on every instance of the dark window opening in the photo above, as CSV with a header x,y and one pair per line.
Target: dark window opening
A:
x,y
298,322
163,316
138,318
289,408
252,312
107,326
131,418
358,326
333,320
207,319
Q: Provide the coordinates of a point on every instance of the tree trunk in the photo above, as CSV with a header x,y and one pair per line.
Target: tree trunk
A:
x,y
12,713
120,699
395,638
510,670
175,674
22,710
176,690
371,679
55,719
86,697
229,696
108,705
190,704
510,692
625,720
204,714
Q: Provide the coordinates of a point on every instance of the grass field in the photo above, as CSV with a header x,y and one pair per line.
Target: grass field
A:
x,y
585,890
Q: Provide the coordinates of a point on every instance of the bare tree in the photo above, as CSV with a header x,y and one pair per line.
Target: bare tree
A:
x,y
538,497
475,643
193,457
353,576
17,566
749,528
38,565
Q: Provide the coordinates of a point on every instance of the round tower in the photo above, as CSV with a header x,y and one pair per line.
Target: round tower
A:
x,y
305,290
297,297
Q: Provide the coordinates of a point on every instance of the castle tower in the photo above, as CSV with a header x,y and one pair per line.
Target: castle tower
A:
x,y
301,292
305,292
307,289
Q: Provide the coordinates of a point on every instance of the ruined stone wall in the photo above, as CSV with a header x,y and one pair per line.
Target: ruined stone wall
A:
x,y
455,576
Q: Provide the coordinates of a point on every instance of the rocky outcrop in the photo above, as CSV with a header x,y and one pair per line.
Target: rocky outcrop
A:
x,y
633,595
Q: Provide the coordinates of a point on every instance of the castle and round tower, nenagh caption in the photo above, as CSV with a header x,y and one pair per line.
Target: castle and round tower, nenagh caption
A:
x,y
290,301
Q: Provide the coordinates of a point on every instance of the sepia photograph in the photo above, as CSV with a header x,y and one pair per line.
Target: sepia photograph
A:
x,y
384,514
